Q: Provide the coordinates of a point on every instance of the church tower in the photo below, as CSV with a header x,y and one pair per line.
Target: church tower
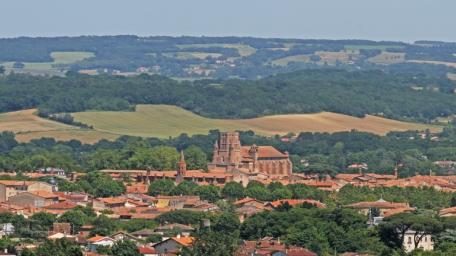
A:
x,y
182,168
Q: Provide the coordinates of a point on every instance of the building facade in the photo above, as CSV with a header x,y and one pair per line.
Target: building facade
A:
x,y
229,155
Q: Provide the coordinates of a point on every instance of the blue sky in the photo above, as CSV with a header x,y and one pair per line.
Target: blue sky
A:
x,y
404,20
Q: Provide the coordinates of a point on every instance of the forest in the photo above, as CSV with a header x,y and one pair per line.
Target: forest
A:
x,y
397,96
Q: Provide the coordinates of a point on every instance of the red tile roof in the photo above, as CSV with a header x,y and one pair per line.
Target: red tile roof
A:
x,y
184,240
147,250
381,204
62,205
263,152
44,194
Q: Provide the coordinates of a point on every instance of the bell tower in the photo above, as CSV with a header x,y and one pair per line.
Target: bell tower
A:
x,y
182,168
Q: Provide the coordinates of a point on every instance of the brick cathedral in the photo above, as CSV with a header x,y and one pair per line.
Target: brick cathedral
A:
x,y
229,155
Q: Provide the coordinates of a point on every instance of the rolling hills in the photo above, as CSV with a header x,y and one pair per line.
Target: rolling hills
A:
x,y
164,121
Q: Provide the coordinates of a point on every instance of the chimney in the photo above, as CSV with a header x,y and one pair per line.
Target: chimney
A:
x,y
178,236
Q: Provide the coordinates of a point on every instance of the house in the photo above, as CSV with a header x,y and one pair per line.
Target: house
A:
x,y
174,244
61,236
426,243
184,230
37,199
176,202
143,233
6,229
147,251
120,236
97,241
9,188
76,197
385,208
60,208
247,207
64,228
108,202
269,246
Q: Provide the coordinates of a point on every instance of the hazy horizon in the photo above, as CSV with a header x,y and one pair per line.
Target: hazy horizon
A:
x,y
389,20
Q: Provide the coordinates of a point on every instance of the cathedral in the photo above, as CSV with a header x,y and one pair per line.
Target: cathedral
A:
x,y
230,156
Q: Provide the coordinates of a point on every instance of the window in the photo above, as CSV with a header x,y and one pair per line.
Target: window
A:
x,y
409,240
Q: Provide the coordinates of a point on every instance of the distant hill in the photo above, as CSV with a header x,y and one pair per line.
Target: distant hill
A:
x,y
218,57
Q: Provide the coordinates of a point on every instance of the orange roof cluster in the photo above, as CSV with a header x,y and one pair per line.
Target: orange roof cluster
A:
x,y
65,205
444,183
268,246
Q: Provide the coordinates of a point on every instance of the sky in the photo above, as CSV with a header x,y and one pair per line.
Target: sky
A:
x,y
395,20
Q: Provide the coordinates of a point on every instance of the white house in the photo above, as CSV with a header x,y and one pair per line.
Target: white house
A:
x,y
426,243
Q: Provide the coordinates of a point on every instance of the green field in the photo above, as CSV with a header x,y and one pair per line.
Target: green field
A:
x,y
164,121
50,68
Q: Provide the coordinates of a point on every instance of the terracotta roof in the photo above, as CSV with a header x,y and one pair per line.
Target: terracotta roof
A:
x,y
395,211
381,204
245,200
263,152
184,240
97,238
44,194
62,205
17,182
147,250
202,174
448,211
112,200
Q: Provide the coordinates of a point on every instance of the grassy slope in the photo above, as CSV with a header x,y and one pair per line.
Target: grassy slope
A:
x,y
164,121
27,126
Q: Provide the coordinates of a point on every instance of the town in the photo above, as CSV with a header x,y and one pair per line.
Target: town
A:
x,y
171,212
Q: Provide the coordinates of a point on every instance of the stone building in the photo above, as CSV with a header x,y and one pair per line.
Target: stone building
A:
x,y
229,155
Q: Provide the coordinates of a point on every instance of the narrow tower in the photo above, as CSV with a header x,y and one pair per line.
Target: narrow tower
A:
x,y
182,168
